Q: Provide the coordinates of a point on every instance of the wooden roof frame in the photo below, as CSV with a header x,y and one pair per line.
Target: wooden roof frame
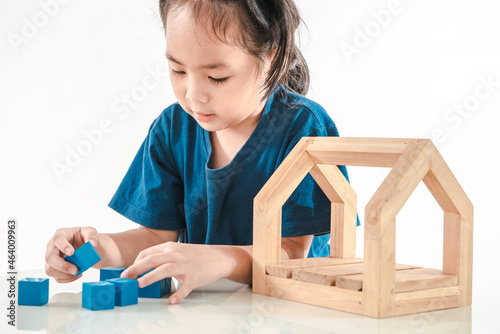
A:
x,y
412,161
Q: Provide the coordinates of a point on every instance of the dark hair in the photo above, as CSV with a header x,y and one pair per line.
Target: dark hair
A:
x,y
264,25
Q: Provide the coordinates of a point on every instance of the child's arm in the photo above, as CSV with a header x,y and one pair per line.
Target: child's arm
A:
x,y
196,266
121,249
117,249
241,272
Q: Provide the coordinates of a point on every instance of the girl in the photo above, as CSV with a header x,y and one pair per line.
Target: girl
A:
x,y
239,80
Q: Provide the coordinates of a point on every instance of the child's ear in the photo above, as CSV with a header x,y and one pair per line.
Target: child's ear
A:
x,y
269,59
271,55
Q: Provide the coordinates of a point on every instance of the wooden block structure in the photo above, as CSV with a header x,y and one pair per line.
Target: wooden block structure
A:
x,y
84,257
374,286
33,291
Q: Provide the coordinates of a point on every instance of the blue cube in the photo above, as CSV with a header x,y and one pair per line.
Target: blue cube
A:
x,y
33,291
98,296
126,291
84,257
157,289
110,272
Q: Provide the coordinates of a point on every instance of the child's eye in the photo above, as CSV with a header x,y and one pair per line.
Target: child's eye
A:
x,y
218,81
176,73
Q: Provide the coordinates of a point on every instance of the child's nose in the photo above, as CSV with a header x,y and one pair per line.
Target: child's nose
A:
x,y
196,92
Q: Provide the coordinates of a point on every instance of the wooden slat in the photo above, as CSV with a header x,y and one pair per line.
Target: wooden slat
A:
x,y
427,294
375,152
284,180
343,230
266,250
426,305
380,265
405,280
445,188
284,269
465,262
427,300
344,209
327,275
397,187
451,243
314,294
334,184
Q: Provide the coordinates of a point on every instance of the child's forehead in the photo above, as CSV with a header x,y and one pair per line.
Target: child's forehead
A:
x,y
182,24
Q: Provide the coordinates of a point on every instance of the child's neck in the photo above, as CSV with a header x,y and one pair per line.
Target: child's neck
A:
x,y
226,143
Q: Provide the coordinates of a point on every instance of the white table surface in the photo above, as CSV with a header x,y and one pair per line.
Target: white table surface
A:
x,y
227,307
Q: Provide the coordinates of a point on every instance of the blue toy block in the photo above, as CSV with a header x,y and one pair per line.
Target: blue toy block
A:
x,y
33,291
98,296
126,291
157,289
84,257
110,272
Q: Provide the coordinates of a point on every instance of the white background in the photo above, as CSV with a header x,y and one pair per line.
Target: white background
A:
x,y
66,69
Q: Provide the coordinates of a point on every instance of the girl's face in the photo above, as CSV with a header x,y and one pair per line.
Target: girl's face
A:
x,y
218,84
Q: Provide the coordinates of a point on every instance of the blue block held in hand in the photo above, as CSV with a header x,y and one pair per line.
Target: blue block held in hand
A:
x,y
98,296
84,257
126,291
33,291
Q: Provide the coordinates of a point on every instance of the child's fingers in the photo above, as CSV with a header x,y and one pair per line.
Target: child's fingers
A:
x,y
166,270
67,280
90,234
61,277
61,242
137,268
184,290
55,261
158,249
149,262
60,274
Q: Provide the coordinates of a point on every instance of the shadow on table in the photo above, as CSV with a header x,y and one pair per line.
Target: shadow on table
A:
x,y
227,307
273,313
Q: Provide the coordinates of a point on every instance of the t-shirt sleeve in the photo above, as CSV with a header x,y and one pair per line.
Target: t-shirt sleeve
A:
x,y
308,210
151,193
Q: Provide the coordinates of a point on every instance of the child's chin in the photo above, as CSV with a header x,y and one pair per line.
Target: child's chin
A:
x,y
209,127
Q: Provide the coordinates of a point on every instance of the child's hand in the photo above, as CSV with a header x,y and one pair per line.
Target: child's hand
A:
x,y
64,242
193,265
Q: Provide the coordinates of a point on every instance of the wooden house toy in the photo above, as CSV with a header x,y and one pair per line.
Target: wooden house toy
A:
x,y
374,286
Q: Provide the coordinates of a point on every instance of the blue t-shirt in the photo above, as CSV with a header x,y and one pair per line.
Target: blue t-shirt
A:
x,y
171,186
